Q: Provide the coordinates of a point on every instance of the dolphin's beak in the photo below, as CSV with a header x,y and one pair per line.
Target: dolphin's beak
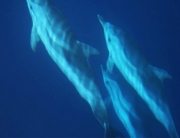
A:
x,y
101,20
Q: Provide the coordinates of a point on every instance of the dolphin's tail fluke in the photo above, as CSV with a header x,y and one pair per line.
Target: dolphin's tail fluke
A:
x,y
111,132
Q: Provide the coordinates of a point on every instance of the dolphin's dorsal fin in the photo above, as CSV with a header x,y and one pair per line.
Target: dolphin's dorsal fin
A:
x,y
161,74
88,50
34,38
110,64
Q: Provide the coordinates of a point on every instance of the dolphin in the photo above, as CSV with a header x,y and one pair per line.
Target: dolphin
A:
x,y
51,27
123,108
147,80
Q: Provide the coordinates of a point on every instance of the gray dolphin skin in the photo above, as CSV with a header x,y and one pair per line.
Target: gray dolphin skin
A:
x,y
51,27
123,108
144,78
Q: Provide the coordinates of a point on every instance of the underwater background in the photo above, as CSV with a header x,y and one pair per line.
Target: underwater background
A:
x,y
36,98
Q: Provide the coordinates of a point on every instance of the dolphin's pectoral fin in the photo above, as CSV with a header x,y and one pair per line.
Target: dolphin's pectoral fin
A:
x,y
88,50
110,64
162,74
34,38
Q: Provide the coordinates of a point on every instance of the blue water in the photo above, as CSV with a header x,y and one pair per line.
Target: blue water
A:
x,y
36,99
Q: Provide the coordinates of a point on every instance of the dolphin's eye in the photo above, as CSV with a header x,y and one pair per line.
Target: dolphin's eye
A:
x,y
109,39
30,7
107,82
